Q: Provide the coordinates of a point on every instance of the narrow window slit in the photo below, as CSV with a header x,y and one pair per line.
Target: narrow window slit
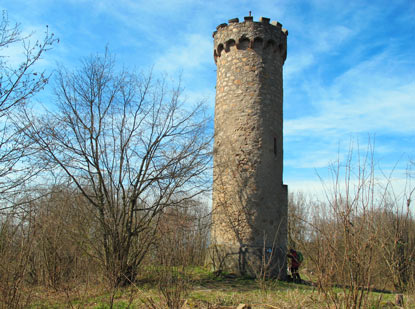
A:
x,y
275,146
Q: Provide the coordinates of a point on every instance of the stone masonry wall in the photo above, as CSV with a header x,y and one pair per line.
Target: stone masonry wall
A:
x,y
249,198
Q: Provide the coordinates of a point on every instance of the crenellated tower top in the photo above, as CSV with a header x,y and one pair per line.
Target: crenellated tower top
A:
x,y
260,36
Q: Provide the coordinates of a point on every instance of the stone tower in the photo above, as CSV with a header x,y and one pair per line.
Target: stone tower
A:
x,y
249,198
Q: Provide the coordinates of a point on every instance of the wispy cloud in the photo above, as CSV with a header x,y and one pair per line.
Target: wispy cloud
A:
x,y
349,72
297,63
375,95
349,76
190,53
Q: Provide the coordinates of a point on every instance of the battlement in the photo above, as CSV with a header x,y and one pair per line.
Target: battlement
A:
x,y
258,36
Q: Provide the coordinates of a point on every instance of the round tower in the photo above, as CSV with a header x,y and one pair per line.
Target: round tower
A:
x,y
249,232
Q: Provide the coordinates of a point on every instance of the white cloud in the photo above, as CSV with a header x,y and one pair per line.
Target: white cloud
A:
x,y
321,185
376,95
203,95
188,54
14,54
191,58
330,39
295,64
312,188
349,70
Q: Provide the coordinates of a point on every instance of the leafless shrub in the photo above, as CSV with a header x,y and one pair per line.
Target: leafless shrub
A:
x,y
180,247
182,232
299,208
395,227
174,283
15,248
60,249
359,236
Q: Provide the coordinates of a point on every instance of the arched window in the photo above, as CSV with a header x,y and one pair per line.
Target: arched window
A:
x,y
270,45
230,43
243,43
220,49
258,43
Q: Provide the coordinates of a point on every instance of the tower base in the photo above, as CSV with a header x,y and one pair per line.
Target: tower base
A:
x,y
251,261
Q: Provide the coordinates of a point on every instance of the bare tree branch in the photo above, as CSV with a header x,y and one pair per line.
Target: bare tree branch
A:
x,y
17,85
130,146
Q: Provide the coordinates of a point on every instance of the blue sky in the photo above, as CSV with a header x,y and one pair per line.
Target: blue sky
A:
x,y
349,74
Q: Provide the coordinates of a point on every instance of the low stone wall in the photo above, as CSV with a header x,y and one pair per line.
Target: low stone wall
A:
x,y
249,261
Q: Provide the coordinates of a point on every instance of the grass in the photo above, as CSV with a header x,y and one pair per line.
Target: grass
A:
x,y
207,291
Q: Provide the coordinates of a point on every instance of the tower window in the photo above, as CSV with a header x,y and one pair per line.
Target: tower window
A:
x,y
270,45
275,146
243,43
220,49
229,44
258,43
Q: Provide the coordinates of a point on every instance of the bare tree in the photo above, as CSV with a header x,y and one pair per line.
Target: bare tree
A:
x,y
18,83
129,145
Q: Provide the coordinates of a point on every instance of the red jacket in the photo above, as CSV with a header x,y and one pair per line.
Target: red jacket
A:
x,y
294,259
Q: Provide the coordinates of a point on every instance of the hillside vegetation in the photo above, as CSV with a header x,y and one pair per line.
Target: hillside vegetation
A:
x,y
104,203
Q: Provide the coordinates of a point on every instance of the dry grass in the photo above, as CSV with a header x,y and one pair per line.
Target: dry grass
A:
x,y
208,292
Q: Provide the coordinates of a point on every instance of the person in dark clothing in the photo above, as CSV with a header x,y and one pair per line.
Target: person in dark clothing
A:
x,y
295,264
